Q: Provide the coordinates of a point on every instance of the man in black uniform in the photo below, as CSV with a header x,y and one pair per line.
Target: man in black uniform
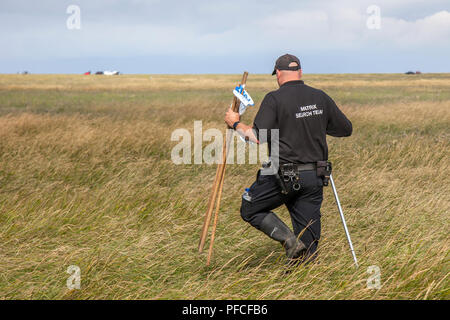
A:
x,y
302,116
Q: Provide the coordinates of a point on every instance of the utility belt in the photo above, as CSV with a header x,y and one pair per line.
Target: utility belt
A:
x,y
289,173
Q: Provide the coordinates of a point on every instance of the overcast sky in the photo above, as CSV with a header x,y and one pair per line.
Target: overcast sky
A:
x,y
207,36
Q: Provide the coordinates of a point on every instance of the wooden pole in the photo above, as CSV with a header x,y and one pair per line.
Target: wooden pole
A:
x,y
216,192
216,215
211,202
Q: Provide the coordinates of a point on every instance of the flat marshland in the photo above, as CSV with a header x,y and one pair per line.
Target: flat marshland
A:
x,y
86,179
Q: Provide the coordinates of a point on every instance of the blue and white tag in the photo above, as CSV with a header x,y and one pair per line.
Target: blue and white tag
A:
x,y
243,96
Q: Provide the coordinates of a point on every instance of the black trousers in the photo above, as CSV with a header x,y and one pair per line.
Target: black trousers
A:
x,y
303,205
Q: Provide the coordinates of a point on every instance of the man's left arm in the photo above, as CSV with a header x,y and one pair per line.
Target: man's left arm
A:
x,y
265,119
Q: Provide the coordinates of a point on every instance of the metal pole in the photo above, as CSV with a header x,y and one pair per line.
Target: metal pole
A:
x,y
343,220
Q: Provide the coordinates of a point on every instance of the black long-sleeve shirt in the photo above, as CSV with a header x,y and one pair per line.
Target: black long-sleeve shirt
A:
x,y
304,116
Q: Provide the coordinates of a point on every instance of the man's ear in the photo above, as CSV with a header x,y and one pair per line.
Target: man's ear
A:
x,y
300,73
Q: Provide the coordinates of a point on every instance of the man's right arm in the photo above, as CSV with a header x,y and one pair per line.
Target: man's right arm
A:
x,y
338,124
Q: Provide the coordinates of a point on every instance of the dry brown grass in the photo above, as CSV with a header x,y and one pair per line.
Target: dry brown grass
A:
x,y
86,179
186,82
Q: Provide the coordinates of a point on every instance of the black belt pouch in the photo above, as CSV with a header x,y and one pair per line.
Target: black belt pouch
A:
x,y
324,171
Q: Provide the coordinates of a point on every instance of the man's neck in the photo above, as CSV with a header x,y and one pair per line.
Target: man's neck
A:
x,y
289,79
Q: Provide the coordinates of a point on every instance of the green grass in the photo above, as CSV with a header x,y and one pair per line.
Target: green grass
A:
x,y
86,179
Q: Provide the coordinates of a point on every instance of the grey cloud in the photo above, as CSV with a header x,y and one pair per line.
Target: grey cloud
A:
x,y
227,29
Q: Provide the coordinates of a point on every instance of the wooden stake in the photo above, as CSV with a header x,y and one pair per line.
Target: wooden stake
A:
x,y
216,192
212,200
216,215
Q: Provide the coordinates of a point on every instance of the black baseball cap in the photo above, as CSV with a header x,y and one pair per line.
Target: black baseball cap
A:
x,y
284,61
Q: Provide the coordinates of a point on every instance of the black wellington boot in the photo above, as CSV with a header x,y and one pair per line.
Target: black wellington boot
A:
x,y
279,231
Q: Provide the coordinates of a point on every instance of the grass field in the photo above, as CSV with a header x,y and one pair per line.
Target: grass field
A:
x,y
86,179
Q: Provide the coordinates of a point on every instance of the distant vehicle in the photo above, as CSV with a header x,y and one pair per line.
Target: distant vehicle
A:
x,y
412,72
87,73
111,73
108,73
